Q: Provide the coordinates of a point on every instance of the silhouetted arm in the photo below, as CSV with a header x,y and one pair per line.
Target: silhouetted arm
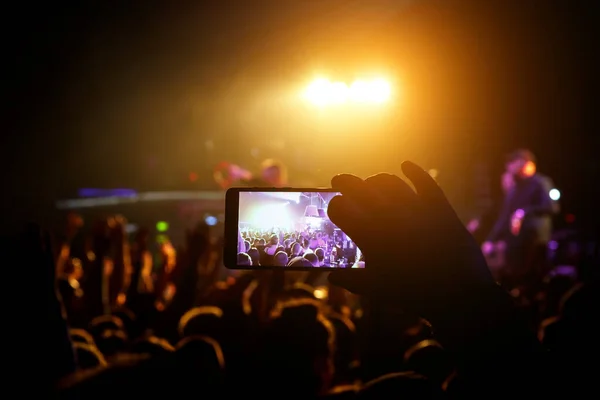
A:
x,y
60,356
502,223
190,268
493,346
440,274
120,278
44,350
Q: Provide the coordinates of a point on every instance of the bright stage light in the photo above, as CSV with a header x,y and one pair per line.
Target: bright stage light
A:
x,y
271,216
554,194
376,91
323,92
318,92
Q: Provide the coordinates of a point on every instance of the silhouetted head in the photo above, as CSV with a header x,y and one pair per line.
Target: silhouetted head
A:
x,y
312,258
153,346
296,249
202,321
401,385
112,342
273,240
243,259
81,336
429,359
274,173
577,302
281,259
298,348
297,291
254,255
299,262
88,356
129,320
105,322
455,387
320,253
521,162
202,358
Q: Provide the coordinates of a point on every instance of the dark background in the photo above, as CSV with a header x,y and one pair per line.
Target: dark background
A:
x,y
127,94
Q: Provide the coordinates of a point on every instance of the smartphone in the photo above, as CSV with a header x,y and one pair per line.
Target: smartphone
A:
x,y
285,228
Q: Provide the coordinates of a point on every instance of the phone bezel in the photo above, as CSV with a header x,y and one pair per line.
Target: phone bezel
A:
x,y
232,200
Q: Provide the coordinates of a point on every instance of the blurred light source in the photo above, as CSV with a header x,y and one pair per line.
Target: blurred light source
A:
x,y
131,228
323,92
162,226
554,194
161,239
271,216
434,173
376,91
211,220
320,293
318,92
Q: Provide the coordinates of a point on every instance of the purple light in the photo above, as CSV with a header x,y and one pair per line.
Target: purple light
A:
x,y
92,192
520,213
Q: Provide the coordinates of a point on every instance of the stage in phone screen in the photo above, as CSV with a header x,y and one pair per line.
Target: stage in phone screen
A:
x,y
292,229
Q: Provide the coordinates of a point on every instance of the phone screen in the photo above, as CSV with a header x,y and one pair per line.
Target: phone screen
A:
x,y
291,229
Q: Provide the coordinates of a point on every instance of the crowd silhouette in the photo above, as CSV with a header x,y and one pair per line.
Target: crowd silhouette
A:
x,y
425,319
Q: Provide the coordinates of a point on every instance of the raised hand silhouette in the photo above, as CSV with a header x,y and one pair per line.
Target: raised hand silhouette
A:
x,y
197,243
44,339
418,253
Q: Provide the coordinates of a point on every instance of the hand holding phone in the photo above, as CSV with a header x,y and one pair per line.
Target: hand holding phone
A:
x,y
418,250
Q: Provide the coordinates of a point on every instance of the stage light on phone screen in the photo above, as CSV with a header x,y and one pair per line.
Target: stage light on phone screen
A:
x,y
554,194
211,220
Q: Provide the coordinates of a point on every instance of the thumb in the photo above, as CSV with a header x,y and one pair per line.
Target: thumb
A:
x,y
425,185
427,188
356,281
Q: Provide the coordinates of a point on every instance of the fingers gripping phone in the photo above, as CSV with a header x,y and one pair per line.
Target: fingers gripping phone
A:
x,y
285,228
